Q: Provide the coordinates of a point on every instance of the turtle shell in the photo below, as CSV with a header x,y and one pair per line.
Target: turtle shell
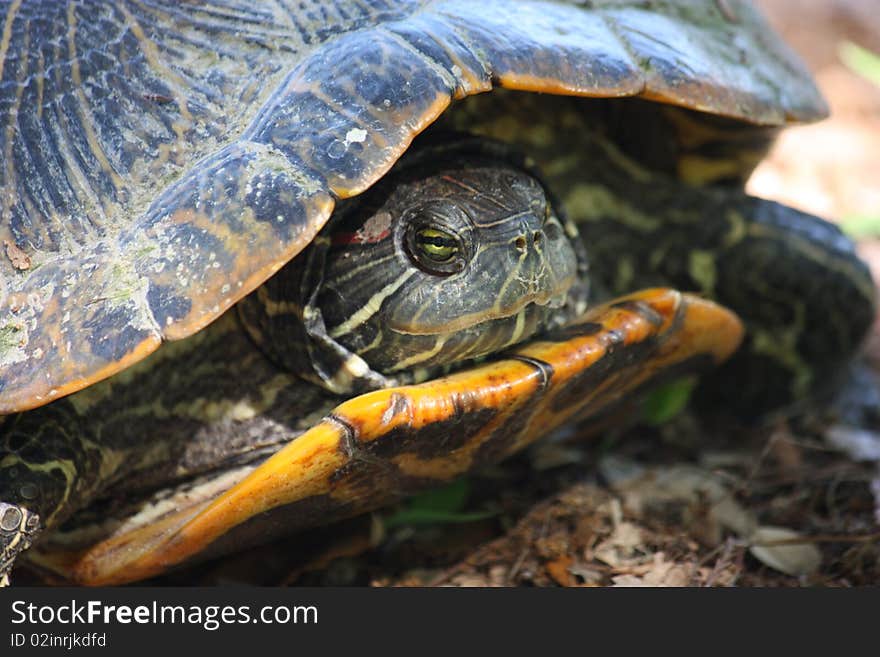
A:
x,y
161,160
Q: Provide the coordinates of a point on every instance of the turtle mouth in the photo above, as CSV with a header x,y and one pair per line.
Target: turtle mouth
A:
x,y
548,298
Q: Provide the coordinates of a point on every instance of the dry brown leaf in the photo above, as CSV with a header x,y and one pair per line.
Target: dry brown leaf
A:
x,y
558,570
627,580
796,559
622,547
666,573
588,576
712,507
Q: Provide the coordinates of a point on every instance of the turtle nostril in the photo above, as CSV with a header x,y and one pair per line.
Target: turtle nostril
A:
x,y
520,243
538,237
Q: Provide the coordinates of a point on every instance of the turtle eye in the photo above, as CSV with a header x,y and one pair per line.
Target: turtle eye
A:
x,y
435,250
435,244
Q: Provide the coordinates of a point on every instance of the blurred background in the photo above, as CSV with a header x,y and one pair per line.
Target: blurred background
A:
x,y
831,168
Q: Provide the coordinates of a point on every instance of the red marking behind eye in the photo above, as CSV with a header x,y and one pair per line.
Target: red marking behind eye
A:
x,y
359,237
375,229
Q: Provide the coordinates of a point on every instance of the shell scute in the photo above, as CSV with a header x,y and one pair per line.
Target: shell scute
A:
x,y
144,141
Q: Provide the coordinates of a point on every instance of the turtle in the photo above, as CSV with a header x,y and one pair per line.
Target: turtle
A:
x,y
381,243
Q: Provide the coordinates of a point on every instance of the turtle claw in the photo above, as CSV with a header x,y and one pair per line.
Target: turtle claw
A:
x,y
18,530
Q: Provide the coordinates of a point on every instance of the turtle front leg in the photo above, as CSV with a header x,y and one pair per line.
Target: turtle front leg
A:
x,y
805,296
49,464
19,527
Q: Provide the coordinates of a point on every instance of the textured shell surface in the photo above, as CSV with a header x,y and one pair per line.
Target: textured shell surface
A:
x,y
161,159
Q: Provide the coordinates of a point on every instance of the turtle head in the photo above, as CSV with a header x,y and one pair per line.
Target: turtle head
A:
x,y
446,266
443,261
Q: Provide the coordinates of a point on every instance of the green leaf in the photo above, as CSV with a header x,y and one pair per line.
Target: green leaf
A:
x,y
860,60
667,401
450,498
439,506
861,226
429,517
